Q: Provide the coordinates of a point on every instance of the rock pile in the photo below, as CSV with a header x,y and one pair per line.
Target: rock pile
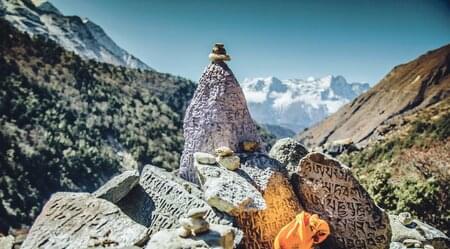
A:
x,y
224,199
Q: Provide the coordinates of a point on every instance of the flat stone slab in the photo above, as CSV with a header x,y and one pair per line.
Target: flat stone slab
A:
x,y
119,186
219,237
270,178
418,230
161,199
228,191
329,189
79,220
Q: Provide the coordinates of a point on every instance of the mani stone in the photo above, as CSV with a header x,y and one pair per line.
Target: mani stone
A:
x,y
79,220
218,237
289,152
161,199
228,191
229,162
417,230
269,176
329,189
217,116
119,186
204,158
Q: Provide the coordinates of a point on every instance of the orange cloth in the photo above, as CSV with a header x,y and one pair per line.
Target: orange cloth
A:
x,y
303,232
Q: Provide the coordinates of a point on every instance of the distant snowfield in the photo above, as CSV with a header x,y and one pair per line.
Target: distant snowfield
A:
x,y
296,103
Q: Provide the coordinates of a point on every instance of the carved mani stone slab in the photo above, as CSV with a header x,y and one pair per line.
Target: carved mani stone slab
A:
x,y
217,116
327,188
161,199
79,220
269,177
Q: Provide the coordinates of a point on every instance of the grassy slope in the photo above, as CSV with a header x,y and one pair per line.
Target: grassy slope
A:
x,y
409,170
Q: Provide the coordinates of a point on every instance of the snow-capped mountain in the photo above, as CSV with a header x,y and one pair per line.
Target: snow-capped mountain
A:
x,y
296,104
74,33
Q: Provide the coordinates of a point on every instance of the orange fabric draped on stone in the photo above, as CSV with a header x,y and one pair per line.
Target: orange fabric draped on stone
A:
x,y
303,232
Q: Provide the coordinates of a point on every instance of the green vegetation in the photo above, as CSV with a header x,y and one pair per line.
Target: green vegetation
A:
x,y
67,124
408,170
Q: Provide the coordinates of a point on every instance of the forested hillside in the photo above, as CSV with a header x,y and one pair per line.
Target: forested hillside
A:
x,y
70,124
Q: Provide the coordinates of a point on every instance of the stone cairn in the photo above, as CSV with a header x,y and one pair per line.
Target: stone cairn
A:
x,y
231,194
217,115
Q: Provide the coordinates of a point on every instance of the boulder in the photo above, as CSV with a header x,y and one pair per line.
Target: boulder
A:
x,y
204,158
161,199
228,191
119,186
229,162
289,152
216,116
417,230
270,178
79,220
218,237
6,242
329,189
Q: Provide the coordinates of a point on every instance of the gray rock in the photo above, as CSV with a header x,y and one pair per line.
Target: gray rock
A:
x,y
329,189
269,177
204,158
412,243
6,242
397,245
229,162
217,116
228,191
119,186
289,152
195,226
419,231
218,237
405,218
224,151
197,212
79,220
161,199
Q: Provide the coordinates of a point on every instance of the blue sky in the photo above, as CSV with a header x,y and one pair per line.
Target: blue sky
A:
x,y
361,40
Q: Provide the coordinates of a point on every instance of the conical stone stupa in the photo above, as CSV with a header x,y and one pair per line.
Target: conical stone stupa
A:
x,y
217,115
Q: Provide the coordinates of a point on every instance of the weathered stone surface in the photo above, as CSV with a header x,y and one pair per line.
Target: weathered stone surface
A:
x,y
79,220
119,186
269,176
224,151
217,116
417,230
195,226
197,212
228,191
289,152
218,237
161,199
6,242
204,158
229,162
329,189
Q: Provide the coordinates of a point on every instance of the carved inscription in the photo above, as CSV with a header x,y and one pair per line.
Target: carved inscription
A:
x,y
217,116
329,189
79,220
163,199
260,228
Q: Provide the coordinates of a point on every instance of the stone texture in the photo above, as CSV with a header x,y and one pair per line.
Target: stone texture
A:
x,y
228,191
289,152
218,237
119,186
329,189
217,116
224,151
229,162
161,199
79,220
269,177
204,158
195,226
6,242
417,230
